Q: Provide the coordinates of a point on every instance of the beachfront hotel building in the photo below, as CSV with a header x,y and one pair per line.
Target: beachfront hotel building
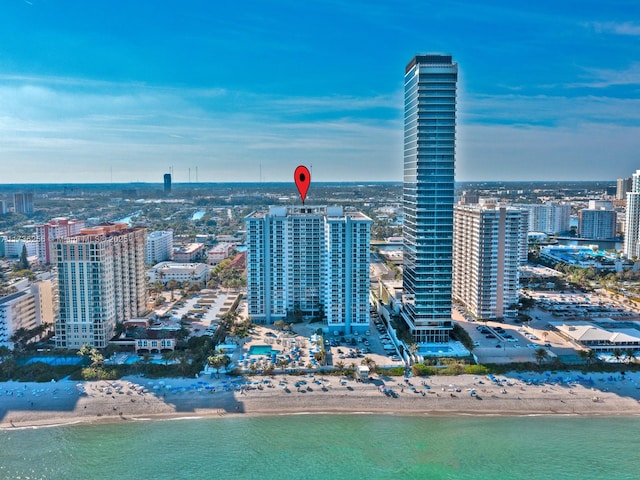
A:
x,y
486,259
101,281
428,196
48,232
309,260
631,248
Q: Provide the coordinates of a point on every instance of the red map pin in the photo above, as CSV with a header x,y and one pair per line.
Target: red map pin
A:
x,y
302,179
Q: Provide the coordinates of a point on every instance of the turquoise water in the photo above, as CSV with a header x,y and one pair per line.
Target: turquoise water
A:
x,y
262,350
198,215
131,359
330,447
54,360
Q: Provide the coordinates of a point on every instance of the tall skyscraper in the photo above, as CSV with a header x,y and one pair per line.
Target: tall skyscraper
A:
x,y
309,260
429,161
101,280
631,248
486,259
167,183
23,203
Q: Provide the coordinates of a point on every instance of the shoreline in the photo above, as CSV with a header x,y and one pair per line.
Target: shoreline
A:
x,y
137,399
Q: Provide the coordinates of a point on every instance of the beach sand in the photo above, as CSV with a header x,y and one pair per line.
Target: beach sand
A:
x,y
138,398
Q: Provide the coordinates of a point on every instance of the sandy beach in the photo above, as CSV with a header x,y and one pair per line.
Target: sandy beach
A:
x,y
138,398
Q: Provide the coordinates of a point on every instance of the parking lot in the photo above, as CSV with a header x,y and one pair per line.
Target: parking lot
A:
x,y
496,342
202,311
375,344
580,306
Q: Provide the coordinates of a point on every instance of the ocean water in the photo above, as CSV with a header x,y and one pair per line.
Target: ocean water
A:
x,y
329,447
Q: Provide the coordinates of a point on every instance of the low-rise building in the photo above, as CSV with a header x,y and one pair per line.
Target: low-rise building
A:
x,y
181,272
156,341
219,253
188,253
601,336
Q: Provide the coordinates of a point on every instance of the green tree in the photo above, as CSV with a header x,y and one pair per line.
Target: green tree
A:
x,y
583,355
591,356
369,362
629,355
23,263
217,361
617,354
541,355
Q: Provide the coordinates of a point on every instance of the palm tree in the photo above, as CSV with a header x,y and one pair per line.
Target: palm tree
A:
x,y
282,363
146,360
369,362
169,356
184,361
617,354
541,355
591,356
218,360
340,366
583,355
629,355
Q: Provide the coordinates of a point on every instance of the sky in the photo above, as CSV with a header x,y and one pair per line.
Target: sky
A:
x,y
122,91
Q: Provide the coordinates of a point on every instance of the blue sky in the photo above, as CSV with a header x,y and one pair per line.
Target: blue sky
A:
x,y
547,91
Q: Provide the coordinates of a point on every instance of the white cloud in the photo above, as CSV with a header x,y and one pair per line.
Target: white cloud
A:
x,y
52,133
584,152
549,109
616,28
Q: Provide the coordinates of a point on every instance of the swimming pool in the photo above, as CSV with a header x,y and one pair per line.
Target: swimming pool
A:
x,y
54,360
262,350
131,359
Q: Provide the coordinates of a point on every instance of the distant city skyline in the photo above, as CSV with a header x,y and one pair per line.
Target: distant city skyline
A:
x,y
121,92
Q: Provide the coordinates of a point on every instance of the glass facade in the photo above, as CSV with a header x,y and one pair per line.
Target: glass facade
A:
x,y
429,162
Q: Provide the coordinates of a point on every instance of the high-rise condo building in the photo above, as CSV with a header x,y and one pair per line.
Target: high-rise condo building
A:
x,y
598,222
101,281
623,185
28,308
631,248
550,218
167,183
48,232
309,261
486,259
159,247
429,161
23,203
